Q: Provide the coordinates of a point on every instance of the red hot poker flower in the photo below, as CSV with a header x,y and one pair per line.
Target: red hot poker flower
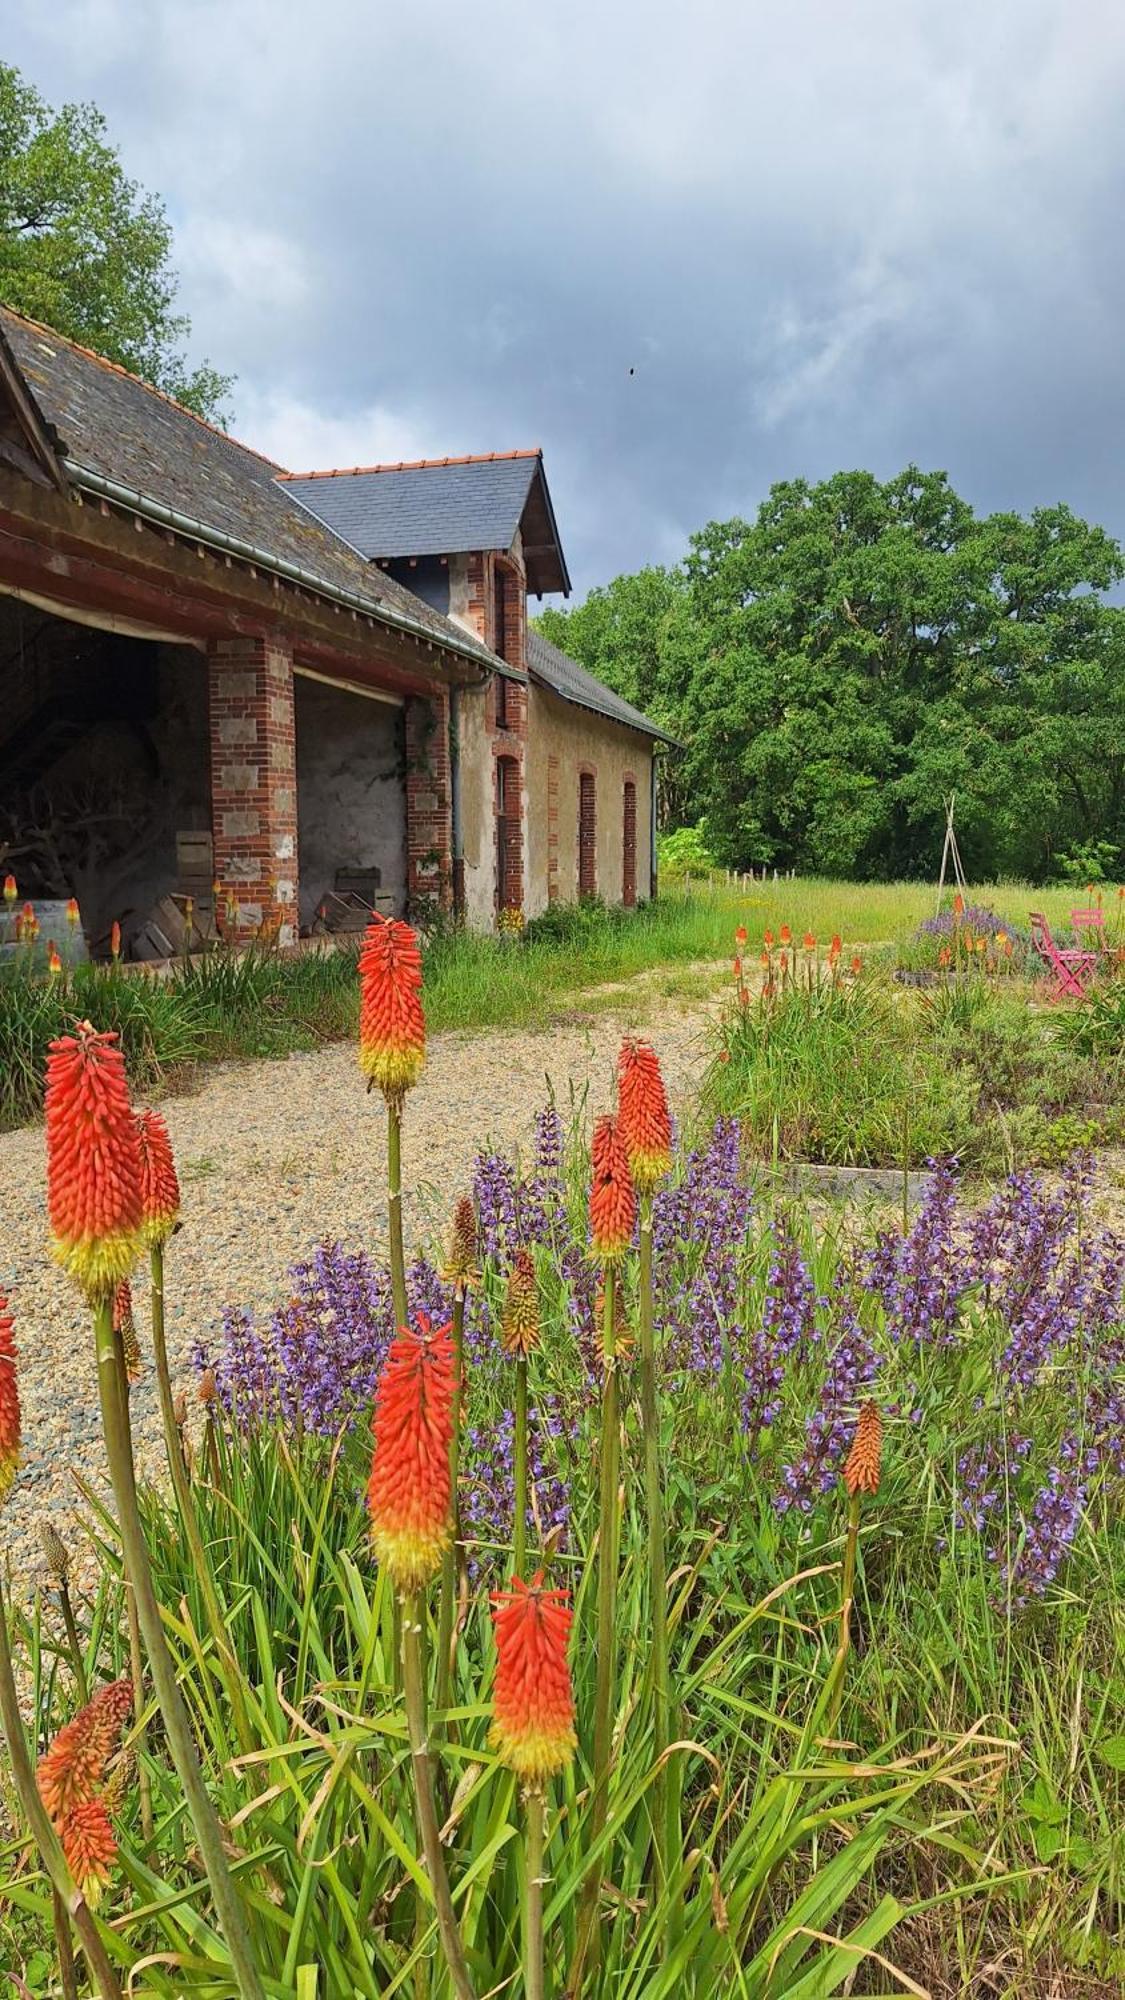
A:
x,y
72,1769
93,1161
9,1404
519,1323
392,1026
409,1493
740,937
160,1187
643,1118
533,1702
861,1471
613,1201
89,1847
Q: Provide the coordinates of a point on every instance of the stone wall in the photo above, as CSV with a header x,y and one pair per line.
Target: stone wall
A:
x,y
565,741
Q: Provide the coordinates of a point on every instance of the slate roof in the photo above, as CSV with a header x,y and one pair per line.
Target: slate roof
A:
x,y
111,424
442,507
564,677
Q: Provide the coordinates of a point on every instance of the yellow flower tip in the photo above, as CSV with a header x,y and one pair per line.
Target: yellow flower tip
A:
x,y
534,1755
411,1556
99,1263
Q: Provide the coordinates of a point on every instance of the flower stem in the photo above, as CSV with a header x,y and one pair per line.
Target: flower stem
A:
x,y
589,1935
847,1595
137,1676
68,1980
536,1805
177,1727
68,1894
422,1764
186,1505
450,1558
665,1810
519,1524
74,1643
848,1590
394,1207
136,1658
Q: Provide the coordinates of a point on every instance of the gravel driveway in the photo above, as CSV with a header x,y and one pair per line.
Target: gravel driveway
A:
x,y
275,1157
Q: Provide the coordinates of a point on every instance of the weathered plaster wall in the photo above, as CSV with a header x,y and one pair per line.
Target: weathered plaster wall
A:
x,y
580,741
351,792
478,820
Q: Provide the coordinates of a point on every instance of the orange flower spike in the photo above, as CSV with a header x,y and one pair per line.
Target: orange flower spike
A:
x,y
93,1161
73,914
643,1117
958,904
809,941
785,936
613,1200
738,968
519,1321
54,962
70,1772
9,1404
740,937
10,889
89,1847
768,940
392,1026
115,939
836,946
533,1701
160,1186
857,964
861,1470
409,1493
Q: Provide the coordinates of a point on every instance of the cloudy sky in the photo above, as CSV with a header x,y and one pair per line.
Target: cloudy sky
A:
x,y
689,249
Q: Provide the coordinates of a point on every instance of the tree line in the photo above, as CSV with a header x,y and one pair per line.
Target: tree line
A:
x,y
835,668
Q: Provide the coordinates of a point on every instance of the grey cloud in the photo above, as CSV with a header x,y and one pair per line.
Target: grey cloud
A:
x,y
819,235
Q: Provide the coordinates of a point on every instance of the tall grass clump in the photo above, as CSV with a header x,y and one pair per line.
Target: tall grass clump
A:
x,y
825,1059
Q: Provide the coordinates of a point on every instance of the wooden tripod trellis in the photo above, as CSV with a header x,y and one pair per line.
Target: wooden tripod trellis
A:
x,y
950,856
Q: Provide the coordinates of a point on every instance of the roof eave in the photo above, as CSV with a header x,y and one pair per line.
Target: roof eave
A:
x,y
563,584
375,608
639,728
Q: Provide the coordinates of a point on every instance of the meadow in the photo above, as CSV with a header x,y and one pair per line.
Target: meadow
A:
x,y
842,1722
224,1005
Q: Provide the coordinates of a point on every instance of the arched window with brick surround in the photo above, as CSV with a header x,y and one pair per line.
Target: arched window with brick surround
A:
x,y
509,847
587,835
629,845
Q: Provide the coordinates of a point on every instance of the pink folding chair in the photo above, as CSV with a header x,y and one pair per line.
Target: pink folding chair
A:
x,y
1073,968
1089,928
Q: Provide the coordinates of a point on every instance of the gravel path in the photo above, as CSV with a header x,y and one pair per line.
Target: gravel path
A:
x,y
275,1157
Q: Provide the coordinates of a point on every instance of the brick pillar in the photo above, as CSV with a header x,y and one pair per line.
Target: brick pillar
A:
x,y
254,779
429,817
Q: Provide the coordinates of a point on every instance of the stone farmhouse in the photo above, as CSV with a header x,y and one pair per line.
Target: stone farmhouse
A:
x,y
315,691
